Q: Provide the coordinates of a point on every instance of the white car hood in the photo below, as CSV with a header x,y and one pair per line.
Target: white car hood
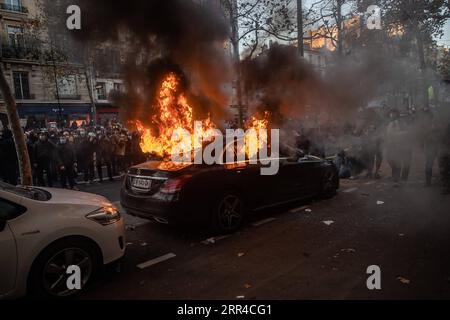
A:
x,y
62,196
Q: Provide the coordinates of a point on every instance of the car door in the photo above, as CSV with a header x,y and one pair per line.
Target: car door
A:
x,y
287,180
308,170
8,249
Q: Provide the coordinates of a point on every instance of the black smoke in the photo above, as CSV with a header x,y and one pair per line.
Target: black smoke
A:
x,y
179,35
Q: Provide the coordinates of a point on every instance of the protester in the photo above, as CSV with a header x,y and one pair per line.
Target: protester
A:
x,y
398,147
66,160
44,156
8,158
444,160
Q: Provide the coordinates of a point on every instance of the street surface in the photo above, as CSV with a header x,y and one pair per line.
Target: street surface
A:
x,y
310,250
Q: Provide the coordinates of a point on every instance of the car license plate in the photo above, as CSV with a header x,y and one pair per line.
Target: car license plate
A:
x,y
140,183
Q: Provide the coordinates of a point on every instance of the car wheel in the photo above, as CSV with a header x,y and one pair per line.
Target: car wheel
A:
x,y
228,213
329,184
48,276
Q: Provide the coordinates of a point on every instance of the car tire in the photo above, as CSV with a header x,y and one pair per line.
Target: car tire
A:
x,y
330,182
228,213
48,278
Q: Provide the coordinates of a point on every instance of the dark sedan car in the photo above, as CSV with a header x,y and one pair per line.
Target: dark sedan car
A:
x,y
221,195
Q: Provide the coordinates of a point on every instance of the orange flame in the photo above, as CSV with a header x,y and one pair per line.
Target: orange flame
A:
x,y
174,114
256,139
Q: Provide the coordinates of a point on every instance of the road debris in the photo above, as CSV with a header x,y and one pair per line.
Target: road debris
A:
x,y
297,210
143,244
328,222
241,254
240,297
404,280
260,223
348,250
129,244
247,286
213,240
209,241
308,210
380,203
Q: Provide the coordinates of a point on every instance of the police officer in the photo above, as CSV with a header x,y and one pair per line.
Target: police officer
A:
x,y
444,160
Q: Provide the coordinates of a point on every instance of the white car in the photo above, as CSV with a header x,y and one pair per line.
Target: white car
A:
x,y
44,231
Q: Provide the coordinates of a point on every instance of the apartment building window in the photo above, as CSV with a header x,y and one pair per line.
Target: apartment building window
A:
x,y
13,5
117,87
101,91
15,37
21,85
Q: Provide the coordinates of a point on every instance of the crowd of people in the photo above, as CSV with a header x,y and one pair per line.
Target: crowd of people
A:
x,y
391,137
357,147
63,155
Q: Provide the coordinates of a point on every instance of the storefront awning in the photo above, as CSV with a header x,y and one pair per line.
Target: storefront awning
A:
x,y
26,109
106,108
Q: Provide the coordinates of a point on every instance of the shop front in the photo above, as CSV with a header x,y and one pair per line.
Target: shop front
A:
x,y
106,113
3,117
37,115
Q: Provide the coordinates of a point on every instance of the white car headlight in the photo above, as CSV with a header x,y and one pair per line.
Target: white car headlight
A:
x,y
105,216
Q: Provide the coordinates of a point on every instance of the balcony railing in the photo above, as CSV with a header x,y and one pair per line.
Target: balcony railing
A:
x,y
19,52
14,8
63,96
25,97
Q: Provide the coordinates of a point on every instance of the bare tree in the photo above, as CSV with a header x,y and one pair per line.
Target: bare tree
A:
x,y
18,134
422,21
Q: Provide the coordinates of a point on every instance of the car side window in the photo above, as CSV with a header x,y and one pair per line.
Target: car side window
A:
x,y
10,210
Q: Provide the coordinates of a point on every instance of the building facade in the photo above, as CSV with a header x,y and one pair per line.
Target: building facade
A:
x,y
46,90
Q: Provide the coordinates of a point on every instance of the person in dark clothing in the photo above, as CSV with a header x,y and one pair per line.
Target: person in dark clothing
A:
x,y
136,153
398,147
444,161
9,168
66,160
44,156
85,157
105,152
430,141
372,155
31,141
74,126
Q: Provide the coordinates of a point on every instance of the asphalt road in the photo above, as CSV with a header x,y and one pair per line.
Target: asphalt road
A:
x,y
313,250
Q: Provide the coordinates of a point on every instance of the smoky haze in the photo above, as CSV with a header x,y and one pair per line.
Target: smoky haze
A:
x,y
161,35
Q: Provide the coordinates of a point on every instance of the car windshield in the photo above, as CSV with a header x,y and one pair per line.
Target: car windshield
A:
x,y
27,192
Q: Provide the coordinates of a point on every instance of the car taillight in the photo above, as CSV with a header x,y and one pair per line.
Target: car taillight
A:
x,y
174,185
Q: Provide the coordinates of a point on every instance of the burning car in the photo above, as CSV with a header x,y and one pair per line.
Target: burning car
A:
x,y
221,195
222,192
